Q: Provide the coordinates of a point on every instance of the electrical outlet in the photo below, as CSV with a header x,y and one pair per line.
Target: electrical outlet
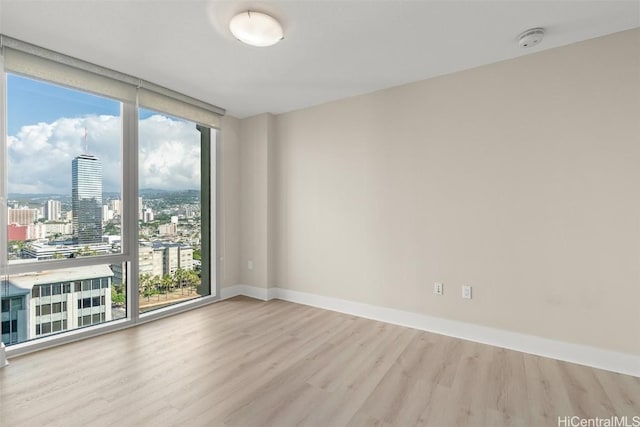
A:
x,y
250,265
466,291
437,288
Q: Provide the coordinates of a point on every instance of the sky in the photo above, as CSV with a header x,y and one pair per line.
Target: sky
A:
x,y
46,129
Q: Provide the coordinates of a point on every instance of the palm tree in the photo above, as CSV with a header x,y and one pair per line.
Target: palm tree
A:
x,y
155,284
179,276
143,284
167,281
192,279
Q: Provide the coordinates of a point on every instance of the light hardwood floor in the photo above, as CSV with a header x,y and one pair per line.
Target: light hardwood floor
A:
x,y
244,362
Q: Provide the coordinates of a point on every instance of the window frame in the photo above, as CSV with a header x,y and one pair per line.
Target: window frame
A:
x,y
129,156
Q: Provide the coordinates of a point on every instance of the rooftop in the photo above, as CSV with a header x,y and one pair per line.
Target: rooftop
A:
x,y
29,280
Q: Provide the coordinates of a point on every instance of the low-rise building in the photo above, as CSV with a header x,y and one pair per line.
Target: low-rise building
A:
x,y
170,229
57,227
16,232
173,256
43,303
44,251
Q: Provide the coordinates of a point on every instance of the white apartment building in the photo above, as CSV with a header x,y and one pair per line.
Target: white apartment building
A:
x,y
145,257
185,253
116,206
56,227
43,251
173,256
36,231
160,258
147,215
39,304
107,214
53,210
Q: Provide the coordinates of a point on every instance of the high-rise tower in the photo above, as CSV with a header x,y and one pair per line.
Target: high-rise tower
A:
x,y
52,210
86,199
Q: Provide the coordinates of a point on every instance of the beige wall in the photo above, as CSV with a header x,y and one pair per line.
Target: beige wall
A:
x,y
256,146
228,197
520,178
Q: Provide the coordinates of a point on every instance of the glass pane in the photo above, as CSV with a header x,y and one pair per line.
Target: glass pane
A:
x,y
71,309
171,164
64,172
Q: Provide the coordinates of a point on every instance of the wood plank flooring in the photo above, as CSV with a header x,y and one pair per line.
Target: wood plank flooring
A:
x,y
244,362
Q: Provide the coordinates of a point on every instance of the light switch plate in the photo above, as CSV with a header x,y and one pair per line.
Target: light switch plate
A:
x,y
438,288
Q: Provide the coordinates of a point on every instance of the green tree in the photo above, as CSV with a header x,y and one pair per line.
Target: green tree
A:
x,y
179,276
161,217
144,285
155,285
192,280
117,295
111,229
86,251
167,283
19,245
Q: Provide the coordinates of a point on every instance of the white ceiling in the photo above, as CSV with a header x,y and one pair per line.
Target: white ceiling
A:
x,y
331,50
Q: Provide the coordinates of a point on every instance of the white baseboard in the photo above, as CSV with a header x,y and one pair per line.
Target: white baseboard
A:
x,y
623,363
256,292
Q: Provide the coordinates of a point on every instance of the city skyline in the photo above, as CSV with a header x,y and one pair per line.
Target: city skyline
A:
x,y
64,159
45,121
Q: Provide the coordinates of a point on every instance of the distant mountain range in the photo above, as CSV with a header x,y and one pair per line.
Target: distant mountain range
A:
x,y
107,194
146,191
45,196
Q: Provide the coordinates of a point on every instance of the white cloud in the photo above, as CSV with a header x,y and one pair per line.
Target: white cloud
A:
x,y
40,155
169,154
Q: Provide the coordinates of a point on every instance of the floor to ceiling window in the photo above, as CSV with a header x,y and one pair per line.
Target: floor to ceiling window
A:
x,y
105,196
173,170
64,183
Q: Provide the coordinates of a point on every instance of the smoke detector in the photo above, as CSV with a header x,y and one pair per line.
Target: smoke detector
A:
x,y
531,37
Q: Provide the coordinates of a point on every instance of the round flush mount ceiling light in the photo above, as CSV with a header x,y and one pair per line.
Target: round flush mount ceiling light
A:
x,y
531,37
256,29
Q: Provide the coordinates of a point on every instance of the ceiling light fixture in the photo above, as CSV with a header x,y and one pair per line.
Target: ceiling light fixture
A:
x,y
256,29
